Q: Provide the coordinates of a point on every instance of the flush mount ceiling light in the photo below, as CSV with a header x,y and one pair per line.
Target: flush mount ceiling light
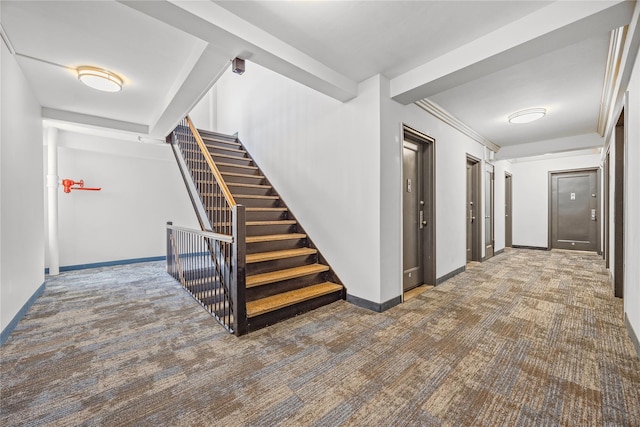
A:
x,y
100,79
527,116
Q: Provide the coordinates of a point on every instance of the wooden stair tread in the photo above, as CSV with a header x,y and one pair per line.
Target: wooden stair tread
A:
x,y
285,299
280,209
286,274
233,165
231,150
254,196
230,141
250,209
226,156
275,222
275,237
260,223
242,175
273,255
239,184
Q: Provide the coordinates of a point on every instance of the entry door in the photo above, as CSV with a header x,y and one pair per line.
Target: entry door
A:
x,y
413,216
508,239
574,210
488,213
473,205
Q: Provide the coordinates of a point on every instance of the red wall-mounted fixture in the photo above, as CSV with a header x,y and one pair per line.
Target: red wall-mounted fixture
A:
x,y
68,185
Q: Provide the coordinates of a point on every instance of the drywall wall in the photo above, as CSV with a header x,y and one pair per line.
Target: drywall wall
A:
x,y
204,115
531,194
632,201
142,189
322,156
21,192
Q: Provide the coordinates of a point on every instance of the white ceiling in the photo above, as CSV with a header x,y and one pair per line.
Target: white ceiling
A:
x,y
479,60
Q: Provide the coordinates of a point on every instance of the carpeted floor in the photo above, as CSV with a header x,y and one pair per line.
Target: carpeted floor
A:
x,y
526,338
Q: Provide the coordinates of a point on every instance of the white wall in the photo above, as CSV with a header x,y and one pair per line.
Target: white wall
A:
x,y
322,156
632,203
205,115
21,192
531,194
142,189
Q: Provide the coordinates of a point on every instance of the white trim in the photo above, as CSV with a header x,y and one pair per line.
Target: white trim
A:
x,y
442,114
614,57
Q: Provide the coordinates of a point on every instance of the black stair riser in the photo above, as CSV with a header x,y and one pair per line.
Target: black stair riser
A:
x,y
270,289
270,318
244,180
263,230
233,160
278,245
266,215
226,150
236,189
257,203
280,264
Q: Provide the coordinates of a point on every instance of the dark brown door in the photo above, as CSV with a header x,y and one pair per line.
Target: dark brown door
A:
x,y
473,210
488,213
618,209
413,216
574,210
508,226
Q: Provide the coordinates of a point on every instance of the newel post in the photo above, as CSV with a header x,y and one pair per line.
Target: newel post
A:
x,y
238,291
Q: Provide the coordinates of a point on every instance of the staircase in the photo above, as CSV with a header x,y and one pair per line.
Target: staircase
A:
x,y
285,275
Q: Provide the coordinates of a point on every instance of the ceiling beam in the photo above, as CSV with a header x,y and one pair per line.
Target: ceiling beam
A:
x,y
234,36
550,146
201,76
93,121
557,25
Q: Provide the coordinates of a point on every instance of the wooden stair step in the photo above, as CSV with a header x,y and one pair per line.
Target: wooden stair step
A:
x,y
226,156
233,165
260,223
280,275
242,175
285,299
230,141
231,150
237,184
276,222
275,237
254,196
274,255
279,209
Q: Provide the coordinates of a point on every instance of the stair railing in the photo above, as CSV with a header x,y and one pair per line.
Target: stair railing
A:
x,y
220,216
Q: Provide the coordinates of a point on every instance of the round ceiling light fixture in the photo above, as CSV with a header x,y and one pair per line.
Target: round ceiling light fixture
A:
x,y
100,79
527,116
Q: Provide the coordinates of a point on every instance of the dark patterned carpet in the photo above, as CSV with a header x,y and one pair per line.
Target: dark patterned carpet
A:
x,y
528,338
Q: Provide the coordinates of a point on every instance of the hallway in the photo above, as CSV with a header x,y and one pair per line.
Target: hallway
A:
x,y
526,338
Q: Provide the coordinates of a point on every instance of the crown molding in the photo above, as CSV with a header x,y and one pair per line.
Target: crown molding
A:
x,y
442,114
614,58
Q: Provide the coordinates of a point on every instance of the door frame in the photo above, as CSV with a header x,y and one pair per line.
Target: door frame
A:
x,y
508,212
606,211
619,196
476,226
550,197
428,153
490,176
